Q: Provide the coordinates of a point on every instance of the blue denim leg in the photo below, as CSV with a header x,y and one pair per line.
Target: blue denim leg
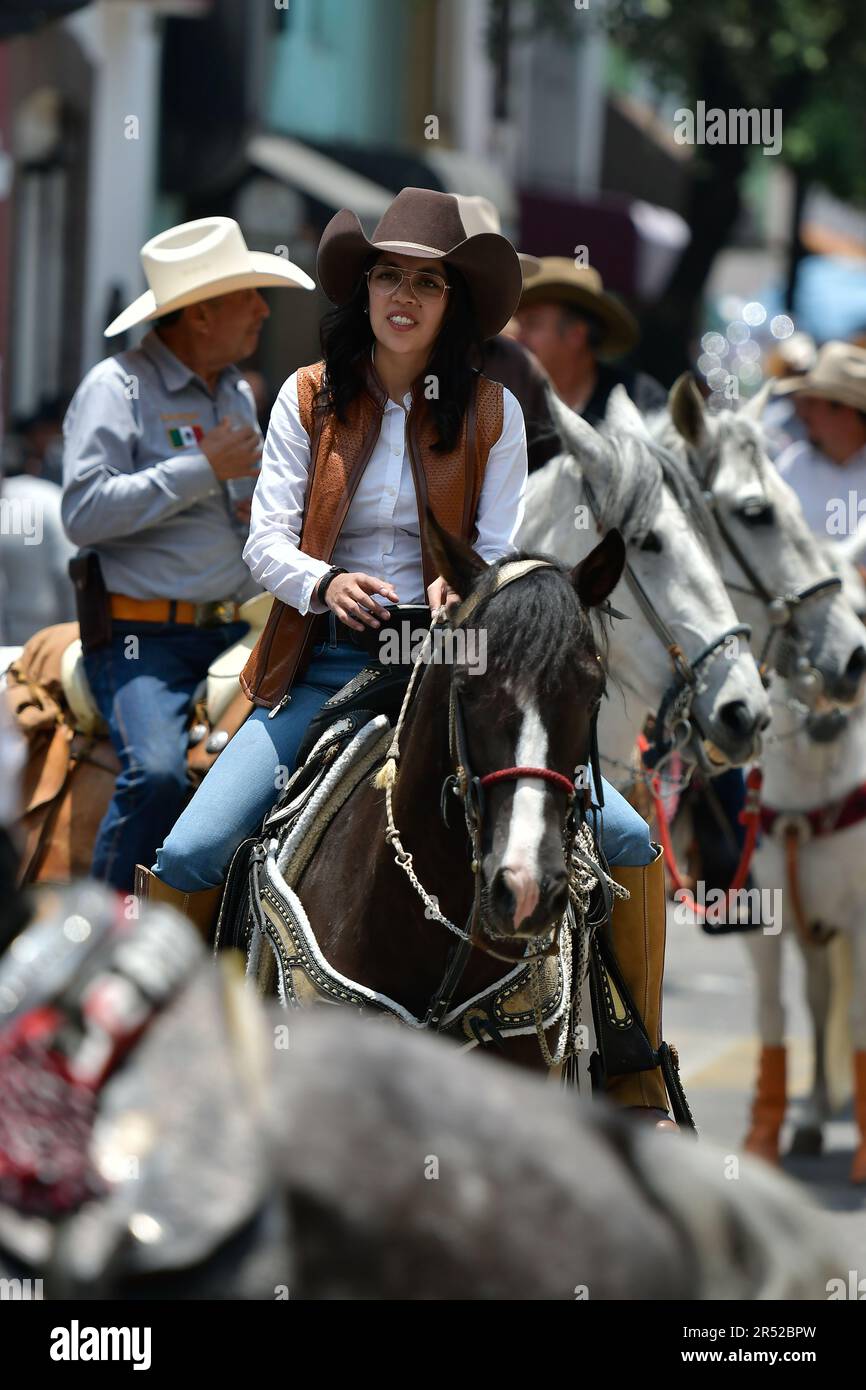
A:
x,y
246,778
143,682
625,834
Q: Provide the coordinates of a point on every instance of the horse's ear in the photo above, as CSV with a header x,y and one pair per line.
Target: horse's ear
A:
x,y
580,438
622,413
753,409
599,573
686,405
453,558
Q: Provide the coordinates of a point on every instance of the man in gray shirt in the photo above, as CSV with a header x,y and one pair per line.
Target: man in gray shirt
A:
x,y
161,449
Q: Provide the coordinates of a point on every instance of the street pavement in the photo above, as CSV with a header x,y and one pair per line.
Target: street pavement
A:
x,y
709,1018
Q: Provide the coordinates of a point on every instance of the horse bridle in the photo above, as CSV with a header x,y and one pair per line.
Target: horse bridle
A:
x,y
782,609
676,704
470,790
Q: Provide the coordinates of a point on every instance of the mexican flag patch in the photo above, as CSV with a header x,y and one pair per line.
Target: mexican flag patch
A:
x,y
186,435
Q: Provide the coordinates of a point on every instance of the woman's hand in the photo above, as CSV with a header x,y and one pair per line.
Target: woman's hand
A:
x,y
439,594
349,597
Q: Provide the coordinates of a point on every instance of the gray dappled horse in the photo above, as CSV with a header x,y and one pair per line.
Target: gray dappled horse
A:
x,y
682,655
258,1155
791,590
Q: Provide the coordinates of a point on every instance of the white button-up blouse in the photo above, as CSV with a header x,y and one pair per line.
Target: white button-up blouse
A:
x,y
380,535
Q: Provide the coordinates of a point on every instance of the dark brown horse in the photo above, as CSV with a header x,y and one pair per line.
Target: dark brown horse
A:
x,y
518,720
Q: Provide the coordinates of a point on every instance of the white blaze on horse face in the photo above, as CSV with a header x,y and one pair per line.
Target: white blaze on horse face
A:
x,y
520,862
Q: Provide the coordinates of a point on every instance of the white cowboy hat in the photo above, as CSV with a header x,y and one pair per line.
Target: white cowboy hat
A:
x,y
200,260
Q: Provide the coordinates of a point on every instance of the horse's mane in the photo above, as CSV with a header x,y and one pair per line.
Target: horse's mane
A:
x,y
667,468
627,472
536,625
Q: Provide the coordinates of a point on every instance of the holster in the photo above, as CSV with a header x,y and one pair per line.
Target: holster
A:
x,y
91,600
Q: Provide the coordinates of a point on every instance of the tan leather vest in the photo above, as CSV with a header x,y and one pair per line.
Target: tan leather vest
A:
x,y
450,483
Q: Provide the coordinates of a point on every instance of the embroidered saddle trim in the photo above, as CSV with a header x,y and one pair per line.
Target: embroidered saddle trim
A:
x,y
305,977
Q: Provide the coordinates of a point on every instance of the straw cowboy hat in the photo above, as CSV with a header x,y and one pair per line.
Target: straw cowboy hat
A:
x,y
424,223
839,374
560,281
201,260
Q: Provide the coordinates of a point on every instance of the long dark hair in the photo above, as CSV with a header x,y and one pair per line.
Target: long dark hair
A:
x,y
346,337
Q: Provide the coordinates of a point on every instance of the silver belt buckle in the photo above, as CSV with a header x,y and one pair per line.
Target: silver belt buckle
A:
x,y
215,614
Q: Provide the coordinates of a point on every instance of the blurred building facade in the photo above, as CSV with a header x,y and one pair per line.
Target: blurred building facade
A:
x,y
124,116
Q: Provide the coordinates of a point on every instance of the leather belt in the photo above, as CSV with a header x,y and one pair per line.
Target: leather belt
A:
x,y
417,615
823,820
166,610
343,633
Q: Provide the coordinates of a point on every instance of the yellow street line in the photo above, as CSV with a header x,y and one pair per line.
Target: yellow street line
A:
x,y
735,1067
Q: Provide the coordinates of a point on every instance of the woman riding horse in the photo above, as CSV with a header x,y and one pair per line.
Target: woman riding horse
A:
x,y
394,419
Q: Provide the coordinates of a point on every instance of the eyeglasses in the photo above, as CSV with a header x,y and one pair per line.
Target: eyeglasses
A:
x,y
384,280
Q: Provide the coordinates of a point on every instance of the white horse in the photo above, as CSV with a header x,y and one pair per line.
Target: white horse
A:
x,y
814,756
672,594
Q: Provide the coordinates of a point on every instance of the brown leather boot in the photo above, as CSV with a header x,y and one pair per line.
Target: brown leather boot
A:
x,y
201,908
858,1167
638,926
769,1105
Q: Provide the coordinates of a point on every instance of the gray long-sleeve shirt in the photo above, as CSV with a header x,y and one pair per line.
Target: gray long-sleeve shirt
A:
x,y
138,489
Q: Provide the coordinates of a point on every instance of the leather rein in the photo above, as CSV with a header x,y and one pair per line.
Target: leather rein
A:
x,y
782,609
676,704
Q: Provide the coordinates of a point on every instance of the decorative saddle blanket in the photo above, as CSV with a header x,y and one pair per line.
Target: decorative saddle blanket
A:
x,y
282,952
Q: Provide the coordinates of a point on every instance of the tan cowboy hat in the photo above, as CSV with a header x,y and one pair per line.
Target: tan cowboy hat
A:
x,y
562,282
201,260
839,374
422,222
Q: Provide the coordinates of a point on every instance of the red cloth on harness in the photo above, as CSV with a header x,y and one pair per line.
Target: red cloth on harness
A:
x,y
823,820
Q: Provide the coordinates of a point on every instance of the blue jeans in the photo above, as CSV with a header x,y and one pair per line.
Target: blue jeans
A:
x,y
143,688
245,780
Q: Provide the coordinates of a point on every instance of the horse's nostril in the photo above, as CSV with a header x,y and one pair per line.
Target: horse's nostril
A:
x,y
554,893
737,717
514,895
856,665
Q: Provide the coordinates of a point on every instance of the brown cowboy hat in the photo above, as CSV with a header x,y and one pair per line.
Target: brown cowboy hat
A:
x,y
422,222
560,281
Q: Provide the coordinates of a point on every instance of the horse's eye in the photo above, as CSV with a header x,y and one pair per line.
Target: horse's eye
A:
x,y
651,542
757,513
